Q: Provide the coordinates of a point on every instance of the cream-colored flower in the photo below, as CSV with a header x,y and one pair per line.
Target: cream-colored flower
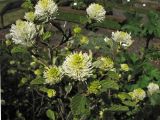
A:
x,y
123,38
96,12
138,94
152,88
124,67
46,10
23,32
53,75
78,66
30,16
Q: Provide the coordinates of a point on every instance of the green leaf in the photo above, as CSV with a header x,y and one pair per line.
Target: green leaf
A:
x,y
108,84
37,81
133,58
50,114
113,75
22,82
43,89
124,96
155,99
68,88
143,81
79,105
129,103
154,73
19,49
27,5
46,35
119,108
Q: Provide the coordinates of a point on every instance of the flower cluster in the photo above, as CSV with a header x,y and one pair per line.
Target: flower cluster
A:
x,y
23,32
124,67
96,12
84,40
138,94
123,38
51,93
104,63
46,10
53,75
29,16
152,88
94,87
78,66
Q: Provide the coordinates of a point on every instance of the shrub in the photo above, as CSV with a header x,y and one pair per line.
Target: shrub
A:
x,y
68,80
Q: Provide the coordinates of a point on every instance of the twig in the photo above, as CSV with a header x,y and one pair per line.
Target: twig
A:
x,y
33,106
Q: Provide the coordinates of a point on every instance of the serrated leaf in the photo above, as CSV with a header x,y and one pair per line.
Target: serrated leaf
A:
x,y
133,58
113,75
119,108
143,81
155,99
129,103
37,81
108,84
124,96
43,89
79,105
46,35
50,114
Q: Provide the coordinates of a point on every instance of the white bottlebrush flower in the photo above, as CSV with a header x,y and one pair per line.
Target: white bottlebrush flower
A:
x,y
23,32
46,9
152,88
78,66
138,94
96,12
53,74
123,38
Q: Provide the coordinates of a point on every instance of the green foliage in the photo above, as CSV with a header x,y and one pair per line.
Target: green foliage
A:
x,y
19,49
83,91
80,105
50,114
133,25
68,88
28,5
155,99
138,27
113,75
152,27
129,103
37,81
109,84
123,96
119,108
46,36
